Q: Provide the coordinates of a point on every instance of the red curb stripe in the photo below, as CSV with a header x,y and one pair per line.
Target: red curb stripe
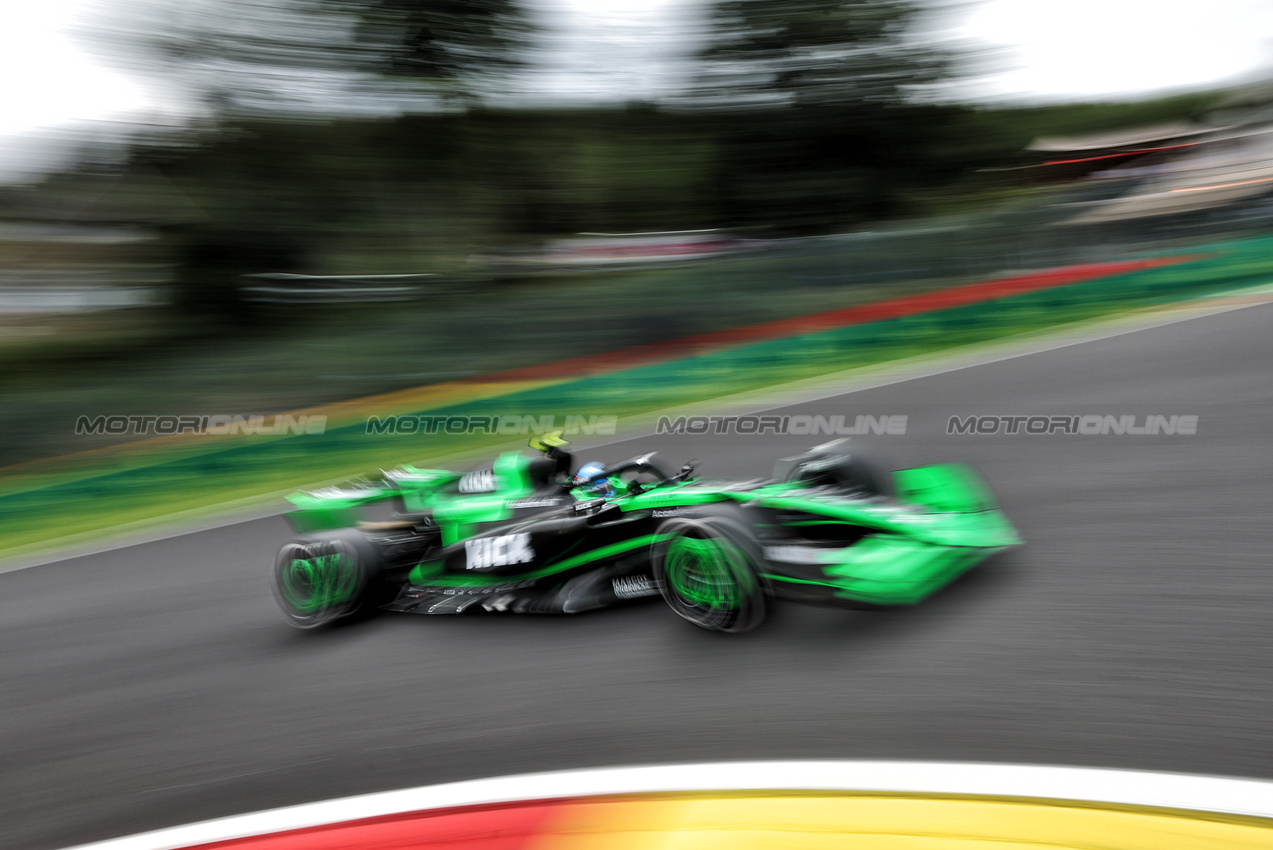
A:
x,y
944,299
504,826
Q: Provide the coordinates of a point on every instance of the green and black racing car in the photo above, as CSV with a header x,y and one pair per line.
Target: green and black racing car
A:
x,y
531,535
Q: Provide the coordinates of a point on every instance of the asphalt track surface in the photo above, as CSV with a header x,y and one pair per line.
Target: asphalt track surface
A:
x,y
157,685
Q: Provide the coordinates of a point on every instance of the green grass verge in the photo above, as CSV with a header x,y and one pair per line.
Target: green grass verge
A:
x,y
127,489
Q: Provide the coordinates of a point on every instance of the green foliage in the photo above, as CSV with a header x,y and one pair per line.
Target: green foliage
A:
x,y
815,52
422,193
440,39
819,128
813,130
316,57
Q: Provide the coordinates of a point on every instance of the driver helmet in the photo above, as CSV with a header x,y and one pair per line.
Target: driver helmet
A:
x,y
600,487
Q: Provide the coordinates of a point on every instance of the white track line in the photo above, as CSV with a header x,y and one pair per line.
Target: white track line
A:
x,y
1120,787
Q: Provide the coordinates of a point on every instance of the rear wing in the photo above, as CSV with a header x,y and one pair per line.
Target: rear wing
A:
x,y
411,488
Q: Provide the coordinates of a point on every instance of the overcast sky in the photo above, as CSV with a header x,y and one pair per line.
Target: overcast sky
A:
x,y
1077,49
1093,48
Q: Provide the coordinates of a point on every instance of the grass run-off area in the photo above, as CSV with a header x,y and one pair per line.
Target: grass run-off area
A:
x,y
85,497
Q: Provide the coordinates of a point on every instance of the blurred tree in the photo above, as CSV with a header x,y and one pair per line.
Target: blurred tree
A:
x,y
317,57
442,41
821,121
807,52
279,186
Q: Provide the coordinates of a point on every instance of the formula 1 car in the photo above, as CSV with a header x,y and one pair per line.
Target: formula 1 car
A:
x,y
528,536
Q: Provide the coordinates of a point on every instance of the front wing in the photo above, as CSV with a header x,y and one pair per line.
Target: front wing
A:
x,y
877,570
953,524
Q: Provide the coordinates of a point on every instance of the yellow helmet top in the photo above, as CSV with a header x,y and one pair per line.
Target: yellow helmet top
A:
x,y
549,440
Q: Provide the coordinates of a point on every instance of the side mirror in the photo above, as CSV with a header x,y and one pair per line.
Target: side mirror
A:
x,y
686,471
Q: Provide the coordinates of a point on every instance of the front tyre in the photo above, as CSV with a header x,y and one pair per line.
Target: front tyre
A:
x,y
324,577
706,571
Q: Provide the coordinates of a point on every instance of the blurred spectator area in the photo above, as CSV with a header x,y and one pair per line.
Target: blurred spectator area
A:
x,y
87,244
613,251
1222,159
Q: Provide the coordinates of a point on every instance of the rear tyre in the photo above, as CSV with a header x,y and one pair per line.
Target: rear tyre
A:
x,y
706,571
324,577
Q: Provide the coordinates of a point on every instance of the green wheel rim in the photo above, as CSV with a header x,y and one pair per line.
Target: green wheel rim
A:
x,y
701,571
314,581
